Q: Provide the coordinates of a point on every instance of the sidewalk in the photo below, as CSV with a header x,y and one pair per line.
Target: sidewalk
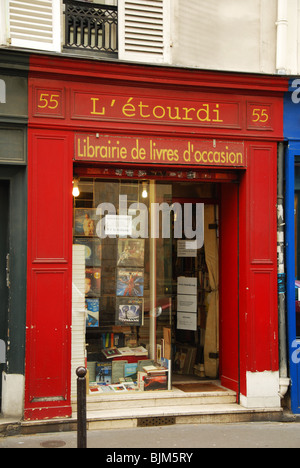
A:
x,y
173,438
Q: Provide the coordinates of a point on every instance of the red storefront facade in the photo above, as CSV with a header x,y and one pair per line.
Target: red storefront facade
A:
x,y
101,119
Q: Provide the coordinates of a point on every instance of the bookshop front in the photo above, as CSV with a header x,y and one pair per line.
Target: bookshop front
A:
x,y
152,232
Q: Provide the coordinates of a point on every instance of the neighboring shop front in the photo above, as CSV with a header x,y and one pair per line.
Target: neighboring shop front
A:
x,y
161,266
13,229
292,192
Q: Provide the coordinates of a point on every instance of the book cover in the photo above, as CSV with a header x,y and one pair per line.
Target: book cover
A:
x,y
154,370
130,282
92,313
140,351
118,388
92,282
118,371
85,222
129,311
93,250
103,372
131,252
131,387
130,371
157,382
110,353
126,351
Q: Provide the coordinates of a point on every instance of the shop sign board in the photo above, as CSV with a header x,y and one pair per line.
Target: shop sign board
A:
x,y
192,152
104,104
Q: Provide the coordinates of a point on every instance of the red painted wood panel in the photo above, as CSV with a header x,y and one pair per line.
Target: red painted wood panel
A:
x,y
262,322
229,320
51,184
50,334
48,340
258,263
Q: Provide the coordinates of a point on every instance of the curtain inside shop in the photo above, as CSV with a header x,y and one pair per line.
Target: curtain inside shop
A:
x,y
211,345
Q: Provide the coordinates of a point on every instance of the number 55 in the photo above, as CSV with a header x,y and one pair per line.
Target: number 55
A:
x,y
260,115
49,100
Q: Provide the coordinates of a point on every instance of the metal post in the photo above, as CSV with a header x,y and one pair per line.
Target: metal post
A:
x,y
81,407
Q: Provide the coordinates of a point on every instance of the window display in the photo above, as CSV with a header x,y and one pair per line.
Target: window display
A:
x,y
146,283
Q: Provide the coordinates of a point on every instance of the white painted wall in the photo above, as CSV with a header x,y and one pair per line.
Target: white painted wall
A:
x,y
233,35
262,390
13,388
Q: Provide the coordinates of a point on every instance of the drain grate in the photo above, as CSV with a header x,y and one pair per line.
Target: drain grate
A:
x,y
53,444
157,421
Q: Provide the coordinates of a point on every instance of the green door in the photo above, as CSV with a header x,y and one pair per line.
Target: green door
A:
x,y
4,265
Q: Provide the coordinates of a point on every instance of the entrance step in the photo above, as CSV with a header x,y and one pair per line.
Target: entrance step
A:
x,y
142,409
174,398
170,415
146,417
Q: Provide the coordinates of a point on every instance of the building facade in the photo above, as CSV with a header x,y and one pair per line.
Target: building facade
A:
x,y
117,131
258,36
124,108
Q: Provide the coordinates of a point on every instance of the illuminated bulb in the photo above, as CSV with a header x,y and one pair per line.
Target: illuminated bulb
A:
x,y
145,191
75,191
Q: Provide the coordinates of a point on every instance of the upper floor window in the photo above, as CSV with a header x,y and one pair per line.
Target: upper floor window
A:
x,y
135,30
91,26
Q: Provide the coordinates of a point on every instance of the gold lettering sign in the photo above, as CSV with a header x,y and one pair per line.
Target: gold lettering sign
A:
x,y
115,149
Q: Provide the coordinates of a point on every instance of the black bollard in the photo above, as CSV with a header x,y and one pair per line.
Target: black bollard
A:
x,y
81,407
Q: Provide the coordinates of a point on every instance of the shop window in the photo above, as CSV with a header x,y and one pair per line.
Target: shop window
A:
x,y
147,285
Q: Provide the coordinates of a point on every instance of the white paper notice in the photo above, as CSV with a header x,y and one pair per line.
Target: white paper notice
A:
x,y
187,248
186,321
187,286
187,303
118,225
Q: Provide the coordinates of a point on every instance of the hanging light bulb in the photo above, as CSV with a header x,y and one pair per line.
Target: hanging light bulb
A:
x,y
76,191
145,191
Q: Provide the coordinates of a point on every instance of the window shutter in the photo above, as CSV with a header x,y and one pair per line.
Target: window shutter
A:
x,y
144,30
35,24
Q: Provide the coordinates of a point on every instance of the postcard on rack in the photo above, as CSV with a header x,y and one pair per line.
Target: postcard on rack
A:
x,y
129,311
130,282
131,252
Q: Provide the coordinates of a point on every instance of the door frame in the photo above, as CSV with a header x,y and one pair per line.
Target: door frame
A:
x,y
17,235
5,249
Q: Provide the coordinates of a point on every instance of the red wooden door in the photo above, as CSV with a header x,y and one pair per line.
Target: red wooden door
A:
x,y
48,355
229,321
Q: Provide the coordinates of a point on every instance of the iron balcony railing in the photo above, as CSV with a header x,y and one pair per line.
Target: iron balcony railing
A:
x,y
91,26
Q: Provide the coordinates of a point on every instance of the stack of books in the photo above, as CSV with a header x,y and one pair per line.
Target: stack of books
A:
x,y
153,378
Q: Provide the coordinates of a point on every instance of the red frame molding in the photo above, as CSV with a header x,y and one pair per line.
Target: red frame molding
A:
x,y
69,97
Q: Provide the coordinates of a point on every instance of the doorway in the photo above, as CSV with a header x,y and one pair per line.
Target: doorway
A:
x,y
4,267
196,286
